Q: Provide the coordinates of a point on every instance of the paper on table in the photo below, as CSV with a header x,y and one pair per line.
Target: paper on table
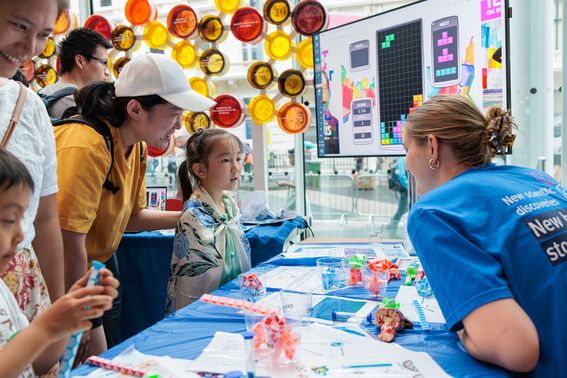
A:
x,y
430,306
382,250
164,366
298,278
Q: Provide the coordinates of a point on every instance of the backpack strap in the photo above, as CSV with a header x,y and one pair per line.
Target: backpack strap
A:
x,y
51,99
102,128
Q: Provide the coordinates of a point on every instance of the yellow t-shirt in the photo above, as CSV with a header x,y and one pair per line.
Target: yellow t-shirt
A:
x,y
83,160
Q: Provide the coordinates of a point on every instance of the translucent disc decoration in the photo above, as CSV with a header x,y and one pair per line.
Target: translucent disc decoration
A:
x,y
304,53
276,12
227,6
45,75
227,112
278,45
182,21
138,12
157,152
213,62
201,86
123,38
28,69
100,24
261,109
118,65
309,17
195,121
294,118
156,35
247,25
211,29
291,83
184,53
261,75
66,22
49,49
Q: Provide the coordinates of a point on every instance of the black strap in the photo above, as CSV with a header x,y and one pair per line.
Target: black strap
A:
x,y
102,128
56,96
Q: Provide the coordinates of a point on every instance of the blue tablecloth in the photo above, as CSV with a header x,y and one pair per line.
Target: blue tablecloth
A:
x,y
187,332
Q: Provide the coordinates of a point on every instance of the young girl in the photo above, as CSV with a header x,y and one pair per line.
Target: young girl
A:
x,y
29,349
210,248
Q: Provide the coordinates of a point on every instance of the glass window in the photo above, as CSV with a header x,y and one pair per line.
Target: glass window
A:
x,y
105,3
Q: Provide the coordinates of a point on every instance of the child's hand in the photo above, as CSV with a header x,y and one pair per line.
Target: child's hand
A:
x,y
106,279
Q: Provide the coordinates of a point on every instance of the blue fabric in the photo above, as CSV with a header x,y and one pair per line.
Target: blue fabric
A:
x,y
188,331
499,232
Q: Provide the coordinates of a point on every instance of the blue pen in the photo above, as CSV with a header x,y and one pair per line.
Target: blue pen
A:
x,y
363,366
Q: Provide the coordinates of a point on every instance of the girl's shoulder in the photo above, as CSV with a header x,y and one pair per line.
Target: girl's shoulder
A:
x,y
195,209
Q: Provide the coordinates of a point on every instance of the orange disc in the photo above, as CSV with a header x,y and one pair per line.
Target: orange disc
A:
x,y
100,24
182,21
138,12
28,69
63,23
294,118
118,65
49,49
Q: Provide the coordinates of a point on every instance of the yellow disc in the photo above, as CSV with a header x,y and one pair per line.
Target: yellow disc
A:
x,y
261,109
304,53
45,75
156,35
201,86
213,62
49,49
227,6
195,121
278,45
118,65
184,53
123,38
261,75
291,83
276,11
211,28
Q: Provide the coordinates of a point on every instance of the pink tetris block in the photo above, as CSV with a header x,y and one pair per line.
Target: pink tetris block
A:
x,y
440,59
231,302
450,40
247,306
445,52
444,35
449,58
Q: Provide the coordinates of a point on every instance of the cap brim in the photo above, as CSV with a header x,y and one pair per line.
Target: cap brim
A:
x,y
189,100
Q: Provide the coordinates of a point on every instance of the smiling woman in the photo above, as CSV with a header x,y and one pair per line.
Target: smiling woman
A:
x,y
96,205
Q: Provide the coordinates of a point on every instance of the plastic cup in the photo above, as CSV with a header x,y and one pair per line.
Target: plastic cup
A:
x,y
333,272
252,286
295,305
376,282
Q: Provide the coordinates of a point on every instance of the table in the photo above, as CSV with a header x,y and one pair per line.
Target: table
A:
x,y
187,332
144,259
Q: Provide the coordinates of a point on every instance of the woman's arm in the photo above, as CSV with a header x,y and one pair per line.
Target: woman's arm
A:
x,y
147,220
502,334
48,245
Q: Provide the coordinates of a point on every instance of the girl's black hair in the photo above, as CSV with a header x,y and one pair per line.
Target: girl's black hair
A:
x,y
184,180
13,172
98,99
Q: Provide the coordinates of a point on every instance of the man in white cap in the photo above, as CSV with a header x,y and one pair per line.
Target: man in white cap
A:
x,y
102,193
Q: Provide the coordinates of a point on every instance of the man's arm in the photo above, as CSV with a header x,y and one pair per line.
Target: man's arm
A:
x,y
75,256
147,220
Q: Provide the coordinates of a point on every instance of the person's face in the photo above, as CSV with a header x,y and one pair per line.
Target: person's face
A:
x,y
291,158
223,166
25,26
417,162
13,203
95,67
161,122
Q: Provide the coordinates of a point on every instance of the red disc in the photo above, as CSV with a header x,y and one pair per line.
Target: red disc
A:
x,y
308,17
182,21
99,24
227,112
247,25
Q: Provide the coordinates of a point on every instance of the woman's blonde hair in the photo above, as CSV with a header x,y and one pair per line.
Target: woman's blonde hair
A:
x,y
456,122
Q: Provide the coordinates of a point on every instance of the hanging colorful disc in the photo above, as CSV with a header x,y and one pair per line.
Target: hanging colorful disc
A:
x,y
261,75
276,12
291,83
247,25
201,86
184,53
227,6
261,109
66,22
155,35
49,49
45,75
195,121
100,24
278,45
118,65
213,62
309,17
28,69
182,21
304,53
123,38
211,28
294,118
157,152
227,112
138,12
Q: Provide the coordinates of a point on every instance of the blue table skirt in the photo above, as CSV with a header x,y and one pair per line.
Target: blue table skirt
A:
x,y
187,332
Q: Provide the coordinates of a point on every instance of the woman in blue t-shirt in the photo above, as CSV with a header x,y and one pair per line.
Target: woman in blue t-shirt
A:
x,y
492,239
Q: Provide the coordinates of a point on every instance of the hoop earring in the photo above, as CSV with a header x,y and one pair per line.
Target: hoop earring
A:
x,y
437,162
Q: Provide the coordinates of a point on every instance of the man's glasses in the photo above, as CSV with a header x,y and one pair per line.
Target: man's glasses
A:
x,y
102,61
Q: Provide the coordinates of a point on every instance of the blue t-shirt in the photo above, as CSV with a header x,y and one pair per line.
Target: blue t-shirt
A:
x,y
499,232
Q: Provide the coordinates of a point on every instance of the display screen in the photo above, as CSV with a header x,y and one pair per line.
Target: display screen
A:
x,y
372,73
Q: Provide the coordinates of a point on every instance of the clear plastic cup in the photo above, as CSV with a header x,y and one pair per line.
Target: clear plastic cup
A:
x,y
252,286
376,282
333,272
295,305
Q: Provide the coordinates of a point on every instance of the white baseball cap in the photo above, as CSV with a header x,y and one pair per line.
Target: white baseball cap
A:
x,y
156,74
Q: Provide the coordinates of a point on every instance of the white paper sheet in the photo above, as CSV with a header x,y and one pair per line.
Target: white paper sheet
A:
x,y
430,306
298,278
375,250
